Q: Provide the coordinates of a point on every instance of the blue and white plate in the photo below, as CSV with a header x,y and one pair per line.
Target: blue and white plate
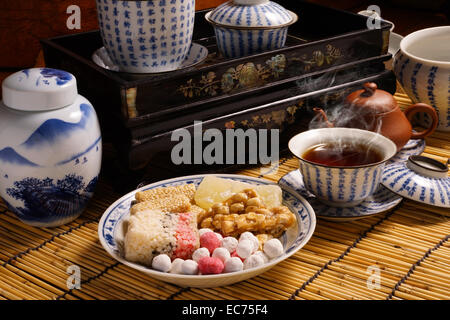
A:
x,y
411,148
112,228
197,54
418,180
382,200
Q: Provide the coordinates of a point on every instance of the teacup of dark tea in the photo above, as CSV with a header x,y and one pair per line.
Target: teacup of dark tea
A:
x,y
341,166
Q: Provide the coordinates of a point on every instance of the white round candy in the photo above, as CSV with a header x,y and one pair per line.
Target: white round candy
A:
x,y
262,255
189,267
221,253
219,236
273,248
233,264
204,230
162,263
230,243
176,266
200,253
253,261
244,248
250,236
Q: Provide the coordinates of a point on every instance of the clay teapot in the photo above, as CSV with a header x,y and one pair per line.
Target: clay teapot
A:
x,y
376,110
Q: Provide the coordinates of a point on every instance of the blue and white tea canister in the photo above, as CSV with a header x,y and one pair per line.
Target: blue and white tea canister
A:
x,y
146,36
245,27
50,147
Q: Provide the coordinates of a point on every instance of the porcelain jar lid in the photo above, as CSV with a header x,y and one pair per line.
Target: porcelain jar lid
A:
x,y
249,14
39,89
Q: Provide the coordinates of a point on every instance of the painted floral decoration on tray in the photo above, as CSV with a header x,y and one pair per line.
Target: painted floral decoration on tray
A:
x,y
268,120
243,76
318,58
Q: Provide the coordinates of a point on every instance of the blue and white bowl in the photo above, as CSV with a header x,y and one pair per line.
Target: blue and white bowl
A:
x,y
146,36
245,27
341,186
422,66
50,147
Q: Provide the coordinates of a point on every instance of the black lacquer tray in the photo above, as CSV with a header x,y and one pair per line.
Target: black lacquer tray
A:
x,y
328,52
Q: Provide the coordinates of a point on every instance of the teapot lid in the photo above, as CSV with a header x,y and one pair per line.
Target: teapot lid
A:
x,y
251,14
372,98
39,89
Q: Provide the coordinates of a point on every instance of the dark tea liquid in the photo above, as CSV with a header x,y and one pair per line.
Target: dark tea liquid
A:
x,y
342,154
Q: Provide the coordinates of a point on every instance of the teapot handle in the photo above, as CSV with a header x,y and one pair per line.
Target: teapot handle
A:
x,y
422,107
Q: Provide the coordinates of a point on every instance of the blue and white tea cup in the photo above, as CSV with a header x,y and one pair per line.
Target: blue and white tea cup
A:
x,y
422,66
147,36
340,186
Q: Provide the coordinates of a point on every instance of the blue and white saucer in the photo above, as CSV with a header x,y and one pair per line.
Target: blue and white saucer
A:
x,y
197,54
420,179
411,148
382,200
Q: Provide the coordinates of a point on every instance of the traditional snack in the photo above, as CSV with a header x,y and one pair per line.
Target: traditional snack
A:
x,y
179,203
262,238
189,267
200,253
250,236
246,211
273,248
230,243
221,253
176,266
162,263
244,248
187,190
253,261
216,190
237,231
233,264
262,255
210,265
153,232
210,241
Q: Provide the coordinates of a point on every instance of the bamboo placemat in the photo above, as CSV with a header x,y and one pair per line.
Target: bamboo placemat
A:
x,y
408,247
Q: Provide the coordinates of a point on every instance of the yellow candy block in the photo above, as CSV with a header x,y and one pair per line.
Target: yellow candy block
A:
x,y
216,190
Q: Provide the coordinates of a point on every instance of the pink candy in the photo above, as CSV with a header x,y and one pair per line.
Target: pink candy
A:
x,y
210,241
210,265
234,254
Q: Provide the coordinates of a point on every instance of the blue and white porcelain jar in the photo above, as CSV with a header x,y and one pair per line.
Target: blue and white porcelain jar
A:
x,y
245,27
146,36
50,147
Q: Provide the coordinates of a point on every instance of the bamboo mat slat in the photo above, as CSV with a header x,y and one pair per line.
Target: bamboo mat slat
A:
x,y
409,247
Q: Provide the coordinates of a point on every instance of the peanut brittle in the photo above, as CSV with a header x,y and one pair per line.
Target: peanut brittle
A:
x,y
245,211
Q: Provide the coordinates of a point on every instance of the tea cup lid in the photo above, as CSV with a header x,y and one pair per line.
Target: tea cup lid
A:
x,y
248,14
39,89
419,178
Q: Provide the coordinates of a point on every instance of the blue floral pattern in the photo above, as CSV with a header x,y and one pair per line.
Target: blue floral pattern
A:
x,y
61,77
46,200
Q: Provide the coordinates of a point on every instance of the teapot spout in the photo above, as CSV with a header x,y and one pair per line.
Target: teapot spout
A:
x,y
321,116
